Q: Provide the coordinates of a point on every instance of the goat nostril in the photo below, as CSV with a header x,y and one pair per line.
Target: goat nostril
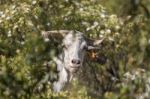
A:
x,y
75,61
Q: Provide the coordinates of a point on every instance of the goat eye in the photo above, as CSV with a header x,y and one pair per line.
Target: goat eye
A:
x,y
65,46
85,47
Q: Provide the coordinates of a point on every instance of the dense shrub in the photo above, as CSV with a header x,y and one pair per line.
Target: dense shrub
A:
x,y
121,67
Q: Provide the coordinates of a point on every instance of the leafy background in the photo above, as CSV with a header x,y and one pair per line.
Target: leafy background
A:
x,y
120,71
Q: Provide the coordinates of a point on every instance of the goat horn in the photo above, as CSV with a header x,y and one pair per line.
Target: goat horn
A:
x,y
55,32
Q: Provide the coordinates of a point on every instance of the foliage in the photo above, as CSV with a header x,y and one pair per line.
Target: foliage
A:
x,y
122,64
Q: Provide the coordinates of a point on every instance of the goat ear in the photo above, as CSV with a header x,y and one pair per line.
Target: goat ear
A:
x,y
89,48
94,44
98,42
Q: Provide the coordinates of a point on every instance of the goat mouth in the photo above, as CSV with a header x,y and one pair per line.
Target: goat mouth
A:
x,y
75,67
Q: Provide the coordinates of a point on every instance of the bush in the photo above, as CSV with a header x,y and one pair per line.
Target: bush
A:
x,y
116,73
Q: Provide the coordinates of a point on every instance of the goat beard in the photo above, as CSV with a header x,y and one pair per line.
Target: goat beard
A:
x,y
73,70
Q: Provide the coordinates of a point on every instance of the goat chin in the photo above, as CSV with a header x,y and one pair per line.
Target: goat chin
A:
x,y
73,70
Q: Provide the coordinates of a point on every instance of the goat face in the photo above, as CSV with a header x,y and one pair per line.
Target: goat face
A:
x,y
71,59
74,50
74,46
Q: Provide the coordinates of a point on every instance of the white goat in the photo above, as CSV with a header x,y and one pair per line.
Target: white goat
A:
x,y
71,59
